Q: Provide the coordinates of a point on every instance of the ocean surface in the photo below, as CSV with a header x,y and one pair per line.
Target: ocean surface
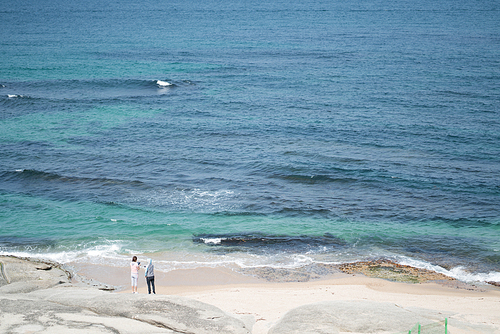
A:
x,y
245,134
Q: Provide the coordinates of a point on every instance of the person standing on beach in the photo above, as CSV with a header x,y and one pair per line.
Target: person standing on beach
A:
x,y
134,273
150,276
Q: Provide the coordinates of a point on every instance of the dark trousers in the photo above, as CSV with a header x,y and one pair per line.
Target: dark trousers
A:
x,y
151,281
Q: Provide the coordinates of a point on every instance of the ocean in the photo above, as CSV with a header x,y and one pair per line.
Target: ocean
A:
x,y
249,134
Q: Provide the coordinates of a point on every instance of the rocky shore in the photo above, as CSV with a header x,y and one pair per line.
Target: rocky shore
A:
x,y
40,297
381,268
43,297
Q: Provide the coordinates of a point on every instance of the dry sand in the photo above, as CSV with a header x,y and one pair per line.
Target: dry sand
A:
x,y
469,310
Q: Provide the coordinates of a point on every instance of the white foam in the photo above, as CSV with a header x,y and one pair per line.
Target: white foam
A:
x,y
458,273
462,275
18,254
192,199
277,261
62,257
107,253
163,83
113,253
215,241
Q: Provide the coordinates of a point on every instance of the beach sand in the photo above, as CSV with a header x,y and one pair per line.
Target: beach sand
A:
x,y
468,308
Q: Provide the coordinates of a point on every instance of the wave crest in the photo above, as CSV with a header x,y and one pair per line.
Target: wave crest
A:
x,y
162,83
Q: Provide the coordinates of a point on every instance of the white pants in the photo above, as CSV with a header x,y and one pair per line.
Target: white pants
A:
x,y
134,279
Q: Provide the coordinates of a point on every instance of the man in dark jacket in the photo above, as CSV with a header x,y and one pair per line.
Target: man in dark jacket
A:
x,y
150,276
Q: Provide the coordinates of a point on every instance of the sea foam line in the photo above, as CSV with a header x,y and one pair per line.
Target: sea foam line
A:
x,y
459,273
116,256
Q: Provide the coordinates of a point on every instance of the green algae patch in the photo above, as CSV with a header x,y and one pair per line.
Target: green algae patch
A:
x,y
392,271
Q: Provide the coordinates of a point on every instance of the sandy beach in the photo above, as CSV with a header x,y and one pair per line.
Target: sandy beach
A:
x,y
467,311
468,308
340,303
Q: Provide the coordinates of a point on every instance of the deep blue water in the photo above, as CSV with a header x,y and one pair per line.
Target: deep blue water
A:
x,y
228,133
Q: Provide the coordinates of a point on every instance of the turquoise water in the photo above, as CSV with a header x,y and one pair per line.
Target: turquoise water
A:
x,y
245,134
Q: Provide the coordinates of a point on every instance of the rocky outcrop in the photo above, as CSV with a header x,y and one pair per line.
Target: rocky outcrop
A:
x,y
25,275
88,310
353,316
393,271
38,297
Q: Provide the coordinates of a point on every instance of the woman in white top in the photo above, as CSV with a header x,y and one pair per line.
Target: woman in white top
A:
x,y
134,273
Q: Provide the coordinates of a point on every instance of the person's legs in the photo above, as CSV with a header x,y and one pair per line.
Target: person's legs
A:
x,y
134,283
148,280
153,284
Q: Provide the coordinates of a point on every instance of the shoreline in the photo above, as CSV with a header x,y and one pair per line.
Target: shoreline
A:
x,y
221,275
267,304
117,279
267,299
